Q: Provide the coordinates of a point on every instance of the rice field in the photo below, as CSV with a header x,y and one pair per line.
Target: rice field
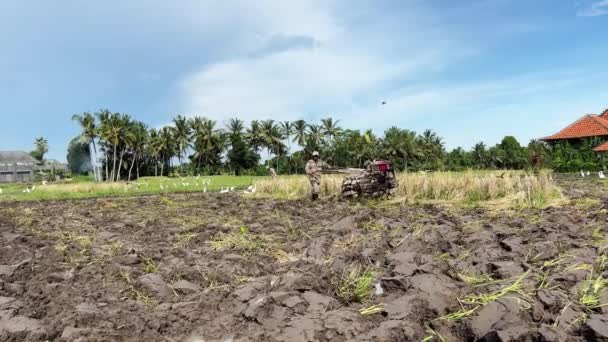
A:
x,y
143,186
458,187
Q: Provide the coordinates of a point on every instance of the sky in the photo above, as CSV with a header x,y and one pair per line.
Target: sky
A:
x,y
471,70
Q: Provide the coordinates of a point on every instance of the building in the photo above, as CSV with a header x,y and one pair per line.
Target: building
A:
x,y
53,165
17,166
589,126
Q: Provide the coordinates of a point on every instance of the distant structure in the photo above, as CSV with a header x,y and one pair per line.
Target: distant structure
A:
x,y
589,126
53,165
17,166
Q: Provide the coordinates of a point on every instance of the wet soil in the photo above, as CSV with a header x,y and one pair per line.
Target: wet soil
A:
x,y
152,269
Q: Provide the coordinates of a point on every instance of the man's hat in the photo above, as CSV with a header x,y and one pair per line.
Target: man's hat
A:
x,y
315,154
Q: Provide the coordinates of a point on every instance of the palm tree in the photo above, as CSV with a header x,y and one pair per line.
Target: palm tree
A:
x,y
236,126
330,128
111,130
167,146
154,148
181,134
104,117
411,149
137,141
271,135
299,130
314,135
88,136
431,147
255,136
207,140
480,155
126,131
287,131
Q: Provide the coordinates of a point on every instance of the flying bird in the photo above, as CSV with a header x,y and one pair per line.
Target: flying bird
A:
x,y
383,103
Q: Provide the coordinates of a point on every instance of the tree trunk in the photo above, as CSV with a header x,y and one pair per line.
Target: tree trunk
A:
x,y
92,163
114,163
131,168
122,154
162,167
155,168
96,169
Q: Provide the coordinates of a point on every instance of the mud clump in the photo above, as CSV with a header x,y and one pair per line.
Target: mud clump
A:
x,y
136,269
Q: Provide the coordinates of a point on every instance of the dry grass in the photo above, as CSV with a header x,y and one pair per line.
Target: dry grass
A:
x,y
463,187
241,240
355,284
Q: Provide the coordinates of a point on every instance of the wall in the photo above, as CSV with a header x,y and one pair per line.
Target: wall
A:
x,y
16,173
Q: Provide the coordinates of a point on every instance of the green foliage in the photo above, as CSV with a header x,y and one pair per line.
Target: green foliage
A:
x,y
42,147
240,156
79,157
128,148
572,156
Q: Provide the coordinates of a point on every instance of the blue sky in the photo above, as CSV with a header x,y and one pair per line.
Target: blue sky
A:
x,y
471,70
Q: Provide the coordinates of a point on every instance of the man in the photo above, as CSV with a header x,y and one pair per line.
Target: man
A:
x,y
272,172
313,171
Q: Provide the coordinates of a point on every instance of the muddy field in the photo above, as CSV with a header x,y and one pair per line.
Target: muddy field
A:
x,y
225,268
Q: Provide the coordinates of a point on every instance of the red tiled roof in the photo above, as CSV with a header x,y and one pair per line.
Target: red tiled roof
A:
x,y
590,125
602,148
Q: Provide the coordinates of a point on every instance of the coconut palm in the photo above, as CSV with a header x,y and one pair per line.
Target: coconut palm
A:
x,y
236,126
329,128
314,136
126,124
167,146
153,148
182,131
208,141
480,155
287,131
111,130
271,135
88,135
299,130
255,136
137,140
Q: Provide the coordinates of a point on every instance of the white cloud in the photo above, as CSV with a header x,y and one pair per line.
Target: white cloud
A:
x,y
311,59
348,61
595,9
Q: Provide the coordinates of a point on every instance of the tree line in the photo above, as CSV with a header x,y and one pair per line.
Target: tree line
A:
x,y
125,148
